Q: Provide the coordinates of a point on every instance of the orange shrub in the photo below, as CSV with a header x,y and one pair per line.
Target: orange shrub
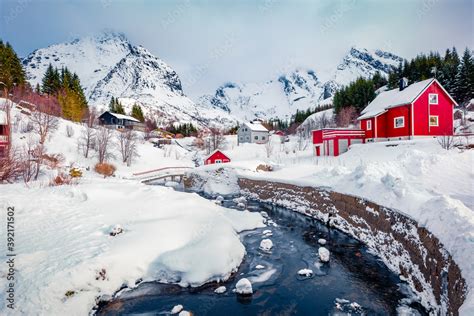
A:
x,y
105,169
61,179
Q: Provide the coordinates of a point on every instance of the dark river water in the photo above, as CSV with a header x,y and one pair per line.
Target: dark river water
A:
x,y
353,282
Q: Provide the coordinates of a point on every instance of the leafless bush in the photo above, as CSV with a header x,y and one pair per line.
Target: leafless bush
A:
x,y
215,140
128,146
26,127
346,116
44,122
447,142
10,166
86,141
269,148
30,166
104,144
61,179
69,131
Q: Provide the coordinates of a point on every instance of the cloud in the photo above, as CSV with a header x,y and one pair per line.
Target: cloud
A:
x,y
267,36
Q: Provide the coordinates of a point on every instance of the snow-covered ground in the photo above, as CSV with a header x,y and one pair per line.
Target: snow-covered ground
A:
x,y
419,178
65,254
62,233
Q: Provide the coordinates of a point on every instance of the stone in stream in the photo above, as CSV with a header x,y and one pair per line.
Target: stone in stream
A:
x,y
266,244
305,272
244,287
220,290
259,267
323,254
321,241
176,309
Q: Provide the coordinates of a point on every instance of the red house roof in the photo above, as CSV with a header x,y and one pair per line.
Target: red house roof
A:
x,y
395,97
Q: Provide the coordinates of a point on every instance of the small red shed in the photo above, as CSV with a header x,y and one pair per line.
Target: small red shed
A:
x,y
335,141
216,157
421,109
4,133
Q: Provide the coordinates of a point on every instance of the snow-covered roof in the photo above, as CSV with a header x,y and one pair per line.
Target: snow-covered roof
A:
x,y
256,127
394,97
124,117
3,118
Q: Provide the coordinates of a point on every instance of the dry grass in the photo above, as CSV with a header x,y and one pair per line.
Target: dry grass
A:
x,y
105,169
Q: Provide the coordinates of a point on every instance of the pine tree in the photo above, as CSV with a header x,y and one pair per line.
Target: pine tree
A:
x,y
118,107
137,113
11,69
51,83
464,80
112,105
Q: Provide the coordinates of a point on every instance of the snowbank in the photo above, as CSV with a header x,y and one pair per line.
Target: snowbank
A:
x,y
63,242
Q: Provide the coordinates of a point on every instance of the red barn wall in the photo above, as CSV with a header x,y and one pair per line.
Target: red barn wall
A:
x,y
216,156
444,110
390,130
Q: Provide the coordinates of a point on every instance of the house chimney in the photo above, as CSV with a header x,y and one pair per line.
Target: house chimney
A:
x,y
403,83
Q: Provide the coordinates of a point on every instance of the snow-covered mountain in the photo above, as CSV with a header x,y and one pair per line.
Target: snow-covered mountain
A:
x,y
281,97
297,90
109,65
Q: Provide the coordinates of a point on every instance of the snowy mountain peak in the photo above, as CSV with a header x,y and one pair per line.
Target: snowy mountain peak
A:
x,y
362,62
108,65
299,89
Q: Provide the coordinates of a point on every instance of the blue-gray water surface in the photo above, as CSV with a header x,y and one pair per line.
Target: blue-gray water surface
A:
x,y
353,282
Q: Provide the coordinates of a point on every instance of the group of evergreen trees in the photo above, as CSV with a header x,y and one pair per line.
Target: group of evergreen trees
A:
x,y
66,86
358,94
11,70
186,129
454,73
116,107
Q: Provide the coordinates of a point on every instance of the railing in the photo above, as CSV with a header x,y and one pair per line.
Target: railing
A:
x,y
159,170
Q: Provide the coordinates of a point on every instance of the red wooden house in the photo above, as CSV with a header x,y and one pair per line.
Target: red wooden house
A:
x,y
216,157
418,110
4,133
335,141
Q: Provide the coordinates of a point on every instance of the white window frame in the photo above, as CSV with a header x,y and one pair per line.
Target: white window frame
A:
x,y
437,120
218,161
395,122
429,98
369,125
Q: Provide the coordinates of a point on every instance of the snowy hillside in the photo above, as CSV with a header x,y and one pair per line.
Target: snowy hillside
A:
x,y
109,65
297,90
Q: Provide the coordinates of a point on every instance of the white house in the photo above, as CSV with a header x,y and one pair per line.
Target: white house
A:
x,y
253,132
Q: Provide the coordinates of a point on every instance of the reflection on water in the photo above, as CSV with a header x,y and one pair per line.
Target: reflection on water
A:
x,y
354,281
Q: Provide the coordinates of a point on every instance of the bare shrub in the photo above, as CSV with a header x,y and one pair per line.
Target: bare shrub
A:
x,y
127,141
269,148
447,142
69,131
26,127
346,116
104,144
61,179
86,141
44,120
31,160
105,169
215,140
10,165
54,161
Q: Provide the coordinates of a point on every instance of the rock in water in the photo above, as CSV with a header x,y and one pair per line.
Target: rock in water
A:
x,y
305,272
323,254
176,309
321,241
220,290
266,244
244,287
185,313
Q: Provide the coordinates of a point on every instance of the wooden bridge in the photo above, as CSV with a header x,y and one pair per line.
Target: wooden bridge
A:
x,y
176,174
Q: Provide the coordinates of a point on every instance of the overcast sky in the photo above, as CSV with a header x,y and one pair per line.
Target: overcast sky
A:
x,y
211,42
